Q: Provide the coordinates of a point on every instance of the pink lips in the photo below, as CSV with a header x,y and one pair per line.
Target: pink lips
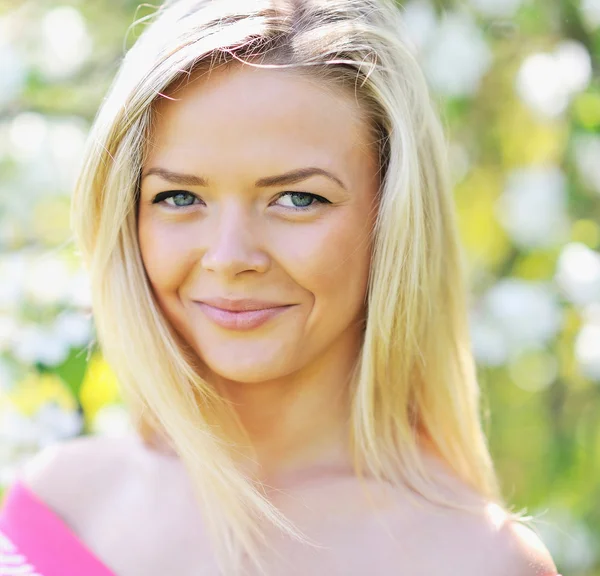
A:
x,y
241,314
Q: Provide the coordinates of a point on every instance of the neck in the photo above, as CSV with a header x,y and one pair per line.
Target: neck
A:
x,y
299,424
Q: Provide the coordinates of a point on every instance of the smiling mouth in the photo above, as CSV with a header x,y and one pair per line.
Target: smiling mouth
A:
x,y
241,320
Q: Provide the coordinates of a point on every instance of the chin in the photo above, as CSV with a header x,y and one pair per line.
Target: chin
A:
x,y
249,369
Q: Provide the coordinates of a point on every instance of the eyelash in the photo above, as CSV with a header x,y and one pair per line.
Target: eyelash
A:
x,y
162,196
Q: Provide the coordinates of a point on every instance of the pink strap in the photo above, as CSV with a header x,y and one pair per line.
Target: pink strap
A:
x,y
44,540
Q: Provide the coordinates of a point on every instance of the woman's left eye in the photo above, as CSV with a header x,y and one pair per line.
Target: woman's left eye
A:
x,y
176,198
301,200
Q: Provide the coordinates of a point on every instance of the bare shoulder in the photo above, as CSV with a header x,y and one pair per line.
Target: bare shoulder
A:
x,y
495,543
487,540
75,461
95,484
75,476
522,552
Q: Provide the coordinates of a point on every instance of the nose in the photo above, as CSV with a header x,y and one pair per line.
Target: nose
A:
x,y
233,245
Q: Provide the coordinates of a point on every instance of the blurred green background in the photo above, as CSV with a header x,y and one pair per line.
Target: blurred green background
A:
x,y
518,85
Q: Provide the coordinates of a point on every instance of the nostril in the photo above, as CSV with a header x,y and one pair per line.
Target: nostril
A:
x,y
232,260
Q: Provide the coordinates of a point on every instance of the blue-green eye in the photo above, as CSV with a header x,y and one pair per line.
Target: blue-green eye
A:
x,y
175,198
294,200
300,200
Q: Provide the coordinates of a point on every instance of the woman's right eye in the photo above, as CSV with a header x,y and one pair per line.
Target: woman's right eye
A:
x,y
176,198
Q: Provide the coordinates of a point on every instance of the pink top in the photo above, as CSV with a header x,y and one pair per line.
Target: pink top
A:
x,y
34,541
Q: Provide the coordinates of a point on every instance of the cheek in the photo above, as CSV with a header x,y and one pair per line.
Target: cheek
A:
x,y
167,263
331,260
164,254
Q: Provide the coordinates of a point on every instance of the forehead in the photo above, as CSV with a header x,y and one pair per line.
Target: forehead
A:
x,y
248,111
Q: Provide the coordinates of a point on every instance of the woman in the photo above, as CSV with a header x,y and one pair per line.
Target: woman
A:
x,y
265,214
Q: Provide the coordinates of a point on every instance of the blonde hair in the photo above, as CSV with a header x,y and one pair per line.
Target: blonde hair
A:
x,y
415,377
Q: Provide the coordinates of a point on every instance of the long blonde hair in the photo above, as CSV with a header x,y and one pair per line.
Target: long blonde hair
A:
x,y
415,377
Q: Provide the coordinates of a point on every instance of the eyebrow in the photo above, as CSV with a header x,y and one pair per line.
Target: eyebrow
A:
x,y
292,177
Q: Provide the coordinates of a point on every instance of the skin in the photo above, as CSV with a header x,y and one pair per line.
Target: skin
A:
x,y
235,239
287,378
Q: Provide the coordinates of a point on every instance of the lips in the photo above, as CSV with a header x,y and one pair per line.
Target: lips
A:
x,y
248,315
240,304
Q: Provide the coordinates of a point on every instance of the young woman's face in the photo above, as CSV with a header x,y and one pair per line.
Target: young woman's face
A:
x,y
260,185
